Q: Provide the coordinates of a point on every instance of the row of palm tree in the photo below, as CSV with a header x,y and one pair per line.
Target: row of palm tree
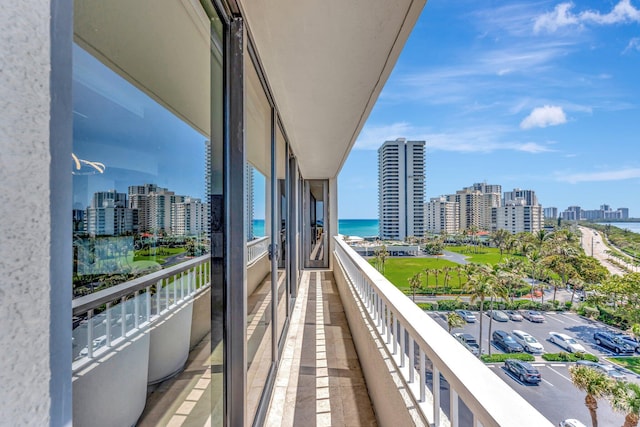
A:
x,y
623,396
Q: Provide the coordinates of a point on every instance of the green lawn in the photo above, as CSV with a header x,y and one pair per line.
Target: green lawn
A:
x,y
399,270
484,256
631,363
158,255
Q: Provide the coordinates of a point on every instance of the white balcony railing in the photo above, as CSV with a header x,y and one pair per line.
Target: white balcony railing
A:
x,y
428,358
256,248
132,305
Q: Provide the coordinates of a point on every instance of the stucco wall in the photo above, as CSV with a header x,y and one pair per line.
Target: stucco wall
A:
x,y
24,208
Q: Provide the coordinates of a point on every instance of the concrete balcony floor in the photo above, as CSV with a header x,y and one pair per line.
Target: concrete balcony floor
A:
x,y
319,381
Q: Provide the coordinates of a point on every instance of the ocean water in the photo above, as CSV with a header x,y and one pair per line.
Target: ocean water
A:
x,y
634,227
358,227
348,227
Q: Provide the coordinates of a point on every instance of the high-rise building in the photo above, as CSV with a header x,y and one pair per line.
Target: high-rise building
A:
x,y
188,217
401,189
442,215
529,196
516,217
249,199
108,215
550,213
476,203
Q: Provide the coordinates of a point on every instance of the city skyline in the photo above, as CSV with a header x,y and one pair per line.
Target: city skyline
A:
x,y
540,96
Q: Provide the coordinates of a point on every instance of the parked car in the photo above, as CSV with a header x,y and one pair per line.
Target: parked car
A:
x,y
566,342
612,342
524,371
571,422
468,316
533,316
528,342
468,341
608,370
498,315
514,315
506,342
633,342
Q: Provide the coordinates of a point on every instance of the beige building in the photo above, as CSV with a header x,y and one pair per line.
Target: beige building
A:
x,y
517,217
442,215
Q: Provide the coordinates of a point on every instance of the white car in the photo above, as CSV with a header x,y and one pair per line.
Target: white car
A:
x,y
566,342
571,422
468,316
527,342
97,344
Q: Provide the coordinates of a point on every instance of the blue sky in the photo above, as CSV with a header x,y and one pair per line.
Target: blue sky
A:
x,y
535,95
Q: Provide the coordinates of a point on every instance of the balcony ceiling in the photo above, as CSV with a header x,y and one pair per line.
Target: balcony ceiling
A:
x,y
326,63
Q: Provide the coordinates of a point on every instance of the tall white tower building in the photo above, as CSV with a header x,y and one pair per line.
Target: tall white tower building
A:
x,y
401,189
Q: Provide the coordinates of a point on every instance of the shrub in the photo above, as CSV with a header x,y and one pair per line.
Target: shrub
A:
x,y
568,357
501,357
449,304
427,305
568,305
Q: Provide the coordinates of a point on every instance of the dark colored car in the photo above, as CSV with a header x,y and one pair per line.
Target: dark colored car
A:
x,y
612,342
633,342
506,342
524,371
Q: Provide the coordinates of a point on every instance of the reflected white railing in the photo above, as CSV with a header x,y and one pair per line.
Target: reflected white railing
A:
x,y
132,305
256,248
428,358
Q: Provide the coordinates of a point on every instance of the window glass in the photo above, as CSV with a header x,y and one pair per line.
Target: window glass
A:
x,y
147,171
259,258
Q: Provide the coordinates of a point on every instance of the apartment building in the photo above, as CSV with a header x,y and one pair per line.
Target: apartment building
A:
x,y
517,217
551,212
476,203
442,216
401,189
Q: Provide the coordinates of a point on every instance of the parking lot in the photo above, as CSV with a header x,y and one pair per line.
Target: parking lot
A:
x,y
555,396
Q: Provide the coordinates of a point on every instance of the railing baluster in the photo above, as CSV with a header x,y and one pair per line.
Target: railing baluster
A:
x,y
388,320
453,415
148,292
436,396
412,343
108,322
123,328
90,334
158,297
403,345
395,335
136,310
167,282
423,377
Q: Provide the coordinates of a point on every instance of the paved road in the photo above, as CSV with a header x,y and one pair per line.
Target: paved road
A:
x,y
556,397
593,245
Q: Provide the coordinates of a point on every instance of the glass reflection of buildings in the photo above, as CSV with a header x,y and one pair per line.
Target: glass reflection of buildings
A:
x,y
147,209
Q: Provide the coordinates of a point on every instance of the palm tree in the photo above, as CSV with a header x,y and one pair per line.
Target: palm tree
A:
x,y
415,283
500,238
447,275
499,284
479,288
436,271
426,278
454,321
594,383
625,397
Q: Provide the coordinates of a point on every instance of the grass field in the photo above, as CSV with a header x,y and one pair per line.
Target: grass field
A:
x,y
158,255
485,255
631,363
399,270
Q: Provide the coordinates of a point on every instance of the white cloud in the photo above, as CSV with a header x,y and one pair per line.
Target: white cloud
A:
x,y
634,44
543,117
372,137
623,12
560,17
617,175
471,140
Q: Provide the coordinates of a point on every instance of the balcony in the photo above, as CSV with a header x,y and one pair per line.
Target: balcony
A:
x,y
357,352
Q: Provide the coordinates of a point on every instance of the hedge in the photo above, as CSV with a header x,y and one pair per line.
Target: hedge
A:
x,y
501,357
568,357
